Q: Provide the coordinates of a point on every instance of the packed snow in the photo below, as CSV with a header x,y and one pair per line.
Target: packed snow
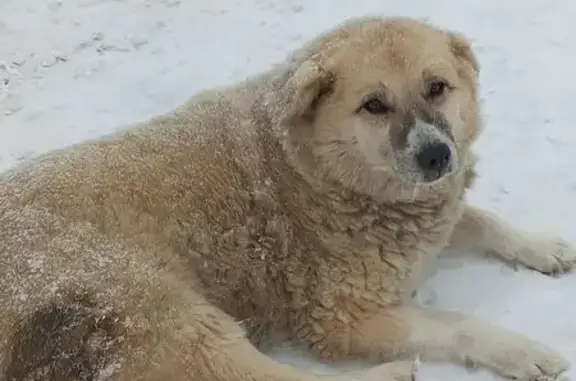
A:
x,y
72,70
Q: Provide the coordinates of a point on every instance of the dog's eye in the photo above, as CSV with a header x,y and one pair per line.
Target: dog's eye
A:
x,y
436,89
375,106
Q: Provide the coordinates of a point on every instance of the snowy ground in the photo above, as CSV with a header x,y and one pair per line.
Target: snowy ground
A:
x,y
70,70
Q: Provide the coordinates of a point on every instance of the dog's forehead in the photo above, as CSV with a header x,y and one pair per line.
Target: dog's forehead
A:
x,y
401,45
393,52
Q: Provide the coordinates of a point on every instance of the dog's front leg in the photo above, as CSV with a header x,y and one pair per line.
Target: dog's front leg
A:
x,y
482,230
438,335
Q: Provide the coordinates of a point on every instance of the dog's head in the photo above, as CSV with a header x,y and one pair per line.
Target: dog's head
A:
x,y
383,105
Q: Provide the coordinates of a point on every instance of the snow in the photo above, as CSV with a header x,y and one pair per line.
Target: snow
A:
x,y
70,70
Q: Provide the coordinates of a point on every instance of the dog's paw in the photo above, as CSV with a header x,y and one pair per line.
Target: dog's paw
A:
x,y
528,360
547,255
392,371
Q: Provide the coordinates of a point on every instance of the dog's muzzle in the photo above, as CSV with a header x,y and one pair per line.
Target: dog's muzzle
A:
x,y
433,150
434,160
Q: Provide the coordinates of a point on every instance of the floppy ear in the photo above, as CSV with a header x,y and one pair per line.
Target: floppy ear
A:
x,y
462,50
309,83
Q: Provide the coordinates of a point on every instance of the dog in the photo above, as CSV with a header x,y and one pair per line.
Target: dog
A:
x,y
308,200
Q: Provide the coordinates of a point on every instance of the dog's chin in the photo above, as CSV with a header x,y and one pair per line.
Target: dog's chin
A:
x,y
433,179
410,180
417,178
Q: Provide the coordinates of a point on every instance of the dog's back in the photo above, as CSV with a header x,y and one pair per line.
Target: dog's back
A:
x,y
88,242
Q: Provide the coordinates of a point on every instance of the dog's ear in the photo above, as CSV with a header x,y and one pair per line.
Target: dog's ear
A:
x,y
462,50
305,88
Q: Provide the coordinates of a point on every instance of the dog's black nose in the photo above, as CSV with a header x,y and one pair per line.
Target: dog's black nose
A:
x,y
434,159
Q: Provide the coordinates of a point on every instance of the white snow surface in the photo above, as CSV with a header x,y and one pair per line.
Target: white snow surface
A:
x,y
72,70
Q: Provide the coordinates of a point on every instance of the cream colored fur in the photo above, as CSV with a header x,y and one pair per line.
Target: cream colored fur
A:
x,y
277,205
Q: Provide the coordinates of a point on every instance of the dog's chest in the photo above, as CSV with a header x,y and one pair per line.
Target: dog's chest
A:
x,y
382,256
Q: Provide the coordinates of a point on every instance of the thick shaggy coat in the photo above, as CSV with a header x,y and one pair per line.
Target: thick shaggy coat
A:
x,y
307,201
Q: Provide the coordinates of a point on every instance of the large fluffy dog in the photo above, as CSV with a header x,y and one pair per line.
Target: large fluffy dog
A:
x,y
305,201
